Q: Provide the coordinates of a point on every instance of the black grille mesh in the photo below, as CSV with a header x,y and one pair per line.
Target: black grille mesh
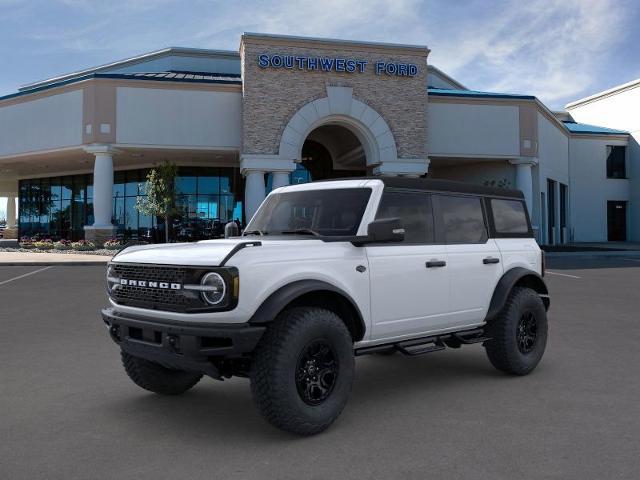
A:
x,y
154,298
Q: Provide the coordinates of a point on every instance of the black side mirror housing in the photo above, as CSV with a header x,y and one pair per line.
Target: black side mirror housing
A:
x,y
383,230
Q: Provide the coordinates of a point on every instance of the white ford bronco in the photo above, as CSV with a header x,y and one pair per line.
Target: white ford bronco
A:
x,y
325,272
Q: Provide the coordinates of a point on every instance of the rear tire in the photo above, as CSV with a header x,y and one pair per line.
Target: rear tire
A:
x,y
156,378
303,370
518,334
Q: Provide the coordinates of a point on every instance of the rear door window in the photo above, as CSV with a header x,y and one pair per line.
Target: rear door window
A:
x,y
509,216
462,219
414,211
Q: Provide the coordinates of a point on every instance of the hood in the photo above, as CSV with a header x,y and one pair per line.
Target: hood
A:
x,y
208,253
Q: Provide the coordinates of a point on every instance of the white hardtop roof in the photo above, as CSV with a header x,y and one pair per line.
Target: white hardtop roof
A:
x,y
330,184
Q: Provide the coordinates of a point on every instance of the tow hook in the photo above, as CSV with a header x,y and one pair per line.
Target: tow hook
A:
x,y
114,331
173,343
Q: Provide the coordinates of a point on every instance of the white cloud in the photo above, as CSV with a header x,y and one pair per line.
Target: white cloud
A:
x,y
554,49
544,47
548,48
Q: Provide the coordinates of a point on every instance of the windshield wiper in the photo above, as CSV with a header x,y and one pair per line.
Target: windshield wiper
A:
x,y
301,231
254,232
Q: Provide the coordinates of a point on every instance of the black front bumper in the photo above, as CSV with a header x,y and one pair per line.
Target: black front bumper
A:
x,y
180,345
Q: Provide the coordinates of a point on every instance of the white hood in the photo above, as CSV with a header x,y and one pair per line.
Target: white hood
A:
x,y
207,253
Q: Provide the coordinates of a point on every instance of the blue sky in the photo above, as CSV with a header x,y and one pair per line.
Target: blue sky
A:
x,y
558,50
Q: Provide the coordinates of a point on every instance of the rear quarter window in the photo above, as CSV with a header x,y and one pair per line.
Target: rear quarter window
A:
x,y
462,219
509,216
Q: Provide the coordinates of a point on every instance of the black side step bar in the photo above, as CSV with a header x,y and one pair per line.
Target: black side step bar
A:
x,y
434,343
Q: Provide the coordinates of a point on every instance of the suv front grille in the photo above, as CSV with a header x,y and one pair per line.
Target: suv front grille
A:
x,y
156,298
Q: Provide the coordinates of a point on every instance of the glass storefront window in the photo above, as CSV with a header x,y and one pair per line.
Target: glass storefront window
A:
x,y
208,184
59,207
186,182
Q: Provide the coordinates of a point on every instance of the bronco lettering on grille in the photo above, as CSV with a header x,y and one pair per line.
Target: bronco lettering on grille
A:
x,y
149,284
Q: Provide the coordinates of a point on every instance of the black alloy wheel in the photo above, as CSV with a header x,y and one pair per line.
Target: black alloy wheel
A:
x,y
527,332
316,372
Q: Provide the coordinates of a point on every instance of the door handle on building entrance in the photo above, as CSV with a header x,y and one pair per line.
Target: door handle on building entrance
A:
x,y
490,260
436,263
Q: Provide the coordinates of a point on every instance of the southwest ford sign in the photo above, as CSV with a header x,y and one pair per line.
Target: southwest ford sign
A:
x,y
335,64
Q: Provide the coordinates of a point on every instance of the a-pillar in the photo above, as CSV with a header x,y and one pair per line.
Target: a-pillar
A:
x,y
524,179
254,167
102,228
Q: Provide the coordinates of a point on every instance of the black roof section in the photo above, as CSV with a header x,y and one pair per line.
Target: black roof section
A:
x,y
436,185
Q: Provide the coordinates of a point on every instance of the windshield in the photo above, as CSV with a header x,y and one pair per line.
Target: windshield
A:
x,y
331,212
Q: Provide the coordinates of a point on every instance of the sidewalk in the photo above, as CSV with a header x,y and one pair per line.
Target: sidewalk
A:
x,y
32,258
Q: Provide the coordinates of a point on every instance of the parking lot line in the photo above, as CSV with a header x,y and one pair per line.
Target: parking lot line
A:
x,y
562,274
25,275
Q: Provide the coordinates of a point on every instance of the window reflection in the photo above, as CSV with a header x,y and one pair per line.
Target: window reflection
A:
x,y
60,207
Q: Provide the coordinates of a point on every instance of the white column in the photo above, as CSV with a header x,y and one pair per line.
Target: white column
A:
x,y
253,167
254,192
280,179
102,186
11,211
524,179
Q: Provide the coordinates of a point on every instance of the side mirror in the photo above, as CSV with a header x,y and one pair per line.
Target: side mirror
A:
x,y
383,230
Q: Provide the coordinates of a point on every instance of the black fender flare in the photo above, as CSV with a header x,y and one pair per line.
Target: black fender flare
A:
x,y
510,279
282,297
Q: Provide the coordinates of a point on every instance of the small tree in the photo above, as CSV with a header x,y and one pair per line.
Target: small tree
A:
x,y
160,193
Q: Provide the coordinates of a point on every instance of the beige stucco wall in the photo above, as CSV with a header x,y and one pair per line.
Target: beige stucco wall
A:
x,y
178,117
460,129
50,122
272,96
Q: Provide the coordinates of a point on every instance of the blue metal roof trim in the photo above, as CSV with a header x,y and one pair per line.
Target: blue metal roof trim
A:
x,y
228,79
443,92
575,127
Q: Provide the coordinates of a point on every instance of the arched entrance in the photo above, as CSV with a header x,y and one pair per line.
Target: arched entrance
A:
x,y
333,151
337,120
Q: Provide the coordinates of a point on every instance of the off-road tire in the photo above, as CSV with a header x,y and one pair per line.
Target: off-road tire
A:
x,y
503,350
276,365
156,378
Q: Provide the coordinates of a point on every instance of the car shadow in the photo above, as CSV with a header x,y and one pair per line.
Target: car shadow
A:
x,y
224,411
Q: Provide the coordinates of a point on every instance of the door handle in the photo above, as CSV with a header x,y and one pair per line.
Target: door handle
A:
x,y
490,260
436,263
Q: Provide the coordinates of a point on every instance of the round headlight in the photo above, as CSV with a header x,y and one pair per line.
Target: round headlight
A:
x,y
214,288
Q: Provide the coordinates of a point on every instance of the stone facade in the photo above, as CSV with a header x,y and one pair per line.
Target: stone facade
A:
x,y
272,96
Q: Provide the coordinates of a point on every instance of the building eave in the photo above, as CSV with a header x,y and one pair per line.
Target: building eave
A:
x,y
447,77
115,76
145,57
603,94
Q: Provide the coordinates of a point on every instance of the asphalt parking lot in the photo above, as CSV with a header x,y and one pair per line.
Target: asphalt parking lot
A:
x,y
68,411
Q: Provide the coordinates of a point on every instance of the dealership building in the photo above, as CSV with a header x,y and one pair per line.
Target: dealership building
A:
x,y
75,149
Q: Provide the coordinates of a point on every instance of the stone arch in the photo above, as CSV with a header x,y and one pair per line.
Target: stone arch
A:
x,y
340,108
